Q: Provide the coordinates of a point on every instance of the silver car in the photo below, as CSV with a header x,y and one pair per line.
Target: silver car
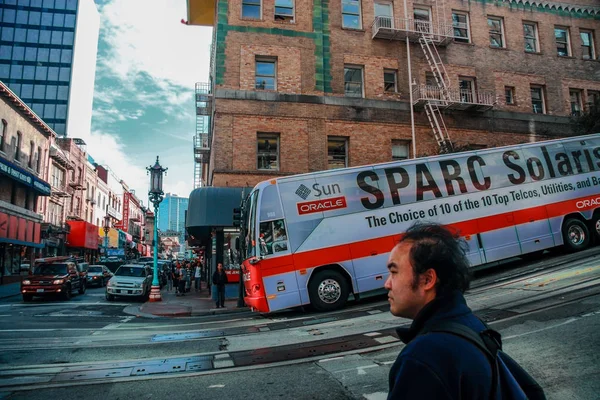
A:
x,y
130,280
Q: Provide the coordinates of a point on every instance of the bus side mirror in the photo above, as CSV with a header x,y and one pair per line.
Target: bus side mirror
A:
x,y
237,243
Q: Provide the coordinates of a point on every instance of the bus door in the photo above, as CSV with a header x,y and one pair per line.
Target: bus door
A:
x,y
498,237
533,227
277,269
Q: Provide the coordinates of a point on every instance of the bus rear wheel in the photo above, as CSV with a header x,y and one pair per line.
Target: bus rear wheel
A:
x,y
576,235
328,290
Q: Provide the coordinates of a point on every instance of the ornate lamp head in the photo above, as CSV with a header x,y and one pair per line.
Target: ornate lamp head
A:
x,y
156,172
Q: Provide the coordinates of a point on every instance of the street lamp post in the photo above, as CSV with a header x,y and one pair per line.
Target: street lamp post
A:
x,y
106,228
155,195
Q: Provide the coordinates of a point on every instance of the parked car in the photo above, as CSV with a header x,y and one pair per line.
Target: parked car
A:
x,y
130,280
98,275
52,278
144,260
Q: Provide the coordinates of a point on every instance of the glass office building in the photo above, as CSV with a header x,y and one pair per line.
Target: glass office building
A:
x,y
171,214
48,58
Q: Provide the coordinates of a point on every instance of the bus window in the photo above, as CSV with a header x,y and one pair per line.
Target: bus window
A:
x,y
273,237
270,205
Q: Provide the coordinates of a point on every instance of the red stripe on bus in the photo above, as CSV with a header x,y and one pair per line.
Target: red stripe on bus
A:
x,y
366,248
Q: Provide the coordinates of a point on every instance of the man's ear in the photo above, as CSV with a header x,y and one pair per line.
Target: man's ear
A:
x,y
429,279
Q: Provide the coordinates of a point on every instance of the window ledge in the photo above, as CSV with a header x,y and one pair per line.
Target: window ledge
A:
x,y
568,57
252,19
353,29
591,59
535,53
498,48
464,43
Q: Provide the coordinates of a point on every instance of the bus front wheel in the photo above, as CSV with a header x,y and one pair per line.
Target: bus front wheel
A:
x,y
576,235
328,290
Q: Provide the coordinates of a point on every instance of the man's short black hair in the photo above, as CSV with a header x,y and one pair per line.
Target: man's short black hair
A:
x,y
434,246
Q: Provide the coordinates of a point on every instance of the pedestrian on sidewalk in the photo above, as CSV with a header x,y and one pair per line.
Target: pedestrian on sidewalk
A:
x,y
188,278
182,280
219,279
169,273
176,268
197,277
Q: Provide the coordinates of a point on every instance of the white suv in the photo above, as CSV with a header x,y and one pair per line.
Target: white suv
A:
x,y
130,280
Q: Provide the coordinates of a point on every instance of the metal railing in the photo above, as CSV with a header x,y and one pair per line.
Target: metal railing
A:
x,y
438,31
201,142
452,95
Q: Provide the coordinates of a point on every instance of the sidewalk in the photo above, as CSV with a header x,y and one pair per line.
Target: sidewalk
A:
x,y
192,304
10,290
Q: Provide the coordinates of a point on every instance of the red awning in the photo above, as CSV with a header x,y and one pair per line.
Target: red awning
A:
x,y
82,235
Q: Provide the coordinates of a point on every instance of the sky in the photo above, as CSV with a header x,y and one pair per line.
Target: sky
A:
x,y
148,63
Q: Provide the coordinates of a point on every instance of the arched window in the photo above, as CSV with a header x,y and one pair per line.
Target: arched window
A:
x,y
38,166
31,151
3,134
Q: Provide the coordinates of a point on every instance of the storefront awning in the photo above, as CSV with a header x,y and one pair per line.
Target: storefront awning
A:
x,y
82,235
19,231
20,175
210,207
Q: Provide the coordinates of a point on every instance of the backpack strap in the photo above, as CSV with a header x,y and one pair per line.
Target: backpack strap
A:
x,y
487,342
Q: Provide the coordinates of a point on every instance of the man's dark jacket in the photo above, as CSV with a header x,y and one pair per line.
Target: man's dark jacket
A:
x,y
219,279
440,365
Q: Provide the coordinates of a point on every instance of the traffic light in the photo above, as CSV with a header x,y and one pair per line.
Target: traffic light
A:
x,y
237,217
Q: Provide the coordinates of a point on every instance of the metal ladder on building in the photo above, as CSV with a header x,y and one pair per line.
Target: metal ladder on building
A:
x,y
432,110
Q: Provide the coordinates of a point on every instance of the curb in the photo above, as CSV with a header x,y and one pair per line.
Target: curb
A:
x,y
6,296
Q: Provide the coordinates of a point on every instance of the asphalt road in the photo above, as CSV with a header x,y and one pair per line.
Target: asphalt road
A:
x,y
548,312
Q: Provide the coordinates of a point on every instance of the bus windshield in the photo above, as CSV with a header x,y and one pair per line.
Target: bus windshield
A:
x,y
251,244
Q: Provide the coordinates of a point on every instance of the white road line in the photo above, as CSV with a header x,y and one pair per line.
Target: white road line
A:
x,y
216,386
331,359
571,320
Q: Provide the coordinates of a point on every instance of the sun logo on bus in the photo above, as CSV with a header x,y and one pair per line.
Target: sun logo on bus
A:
x,y
303,191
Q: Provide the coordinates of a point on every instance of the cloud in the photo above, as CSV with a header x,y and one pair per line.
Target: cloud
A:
x,y
150,39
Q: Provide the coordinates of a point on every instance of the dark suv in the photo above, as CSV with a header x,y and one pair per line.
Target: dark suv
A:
x,y
55,278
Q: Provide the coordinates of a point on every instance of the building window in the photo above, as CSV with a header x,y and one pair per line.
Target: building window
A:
x,y
351,14
38,165
509,95
537,100
353,81
575,99
265,74
268,151
18,146
466,86
31,151
496,28
284,10
385,12
337,152
587,45
422,18
251,9
400,150
530,34
593,100
389,80
563,47
3,134
460,24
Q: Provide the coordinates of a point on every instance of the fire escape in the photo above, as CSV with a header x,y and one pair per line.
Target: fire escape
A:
x,y
202,137
438,93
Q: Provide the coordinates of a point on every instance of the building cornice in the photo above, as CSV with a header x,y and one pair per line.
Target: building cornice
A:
x,y
556,6
25,111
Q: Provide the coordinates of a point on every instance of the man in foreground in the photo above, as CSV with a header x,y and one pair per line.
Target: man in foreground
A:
x,y
428,276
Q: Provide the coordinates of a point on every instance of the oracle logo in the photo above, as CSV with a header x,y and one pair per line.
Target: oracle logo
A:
x,y
310,207
588,203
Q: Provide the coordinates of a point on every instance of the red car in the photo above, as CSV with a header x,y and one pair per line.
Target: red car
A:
x,y
53,278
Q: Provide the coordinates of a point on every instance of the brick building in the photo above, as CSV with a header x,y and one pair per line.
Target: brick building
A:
x,y
24,144
298,86
307,85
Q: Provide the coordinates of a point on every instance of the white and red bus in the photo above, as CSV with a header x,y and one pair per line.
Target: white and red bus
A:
x,y
315,238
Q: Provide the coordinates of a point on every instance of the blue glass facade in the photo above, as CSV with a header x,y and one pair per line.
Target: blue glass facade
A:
x,y
171,213
36,54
